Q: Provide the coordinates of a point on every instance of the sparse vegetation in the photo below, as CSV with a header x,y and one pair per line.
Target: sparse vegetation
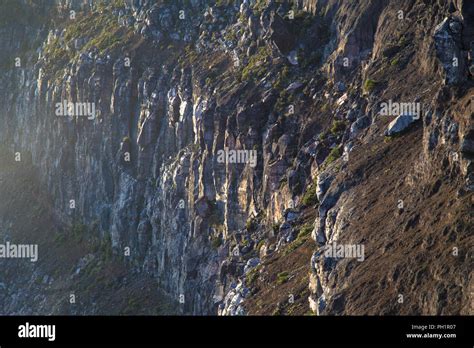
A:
x,y
322,136
309,197
305,231
220,3
302,237
369,85
216,241
259,6
334,155
337,126
252,275
282,277
98,30
282,78
283,101
256,67
231,35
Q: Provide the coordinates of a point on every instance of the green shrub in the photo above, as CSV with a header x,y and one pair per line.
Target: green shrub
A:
x,y
282,277
282,79
106,247
322,136
309,197
216,241
252,276
334,155
305,231
220,3
337,126
231,35
79,231
369,85
259,6
302,237
256,67
100,29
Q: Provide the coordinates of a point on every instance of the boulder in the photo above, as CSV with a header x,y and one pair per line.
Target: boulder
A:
x,y
313,304
360,124
293,58
291,215
294,86
400,124
252,263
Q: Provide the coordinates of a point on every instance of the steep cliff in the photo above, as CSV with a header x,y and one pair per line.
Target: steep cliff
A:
x,y
165,93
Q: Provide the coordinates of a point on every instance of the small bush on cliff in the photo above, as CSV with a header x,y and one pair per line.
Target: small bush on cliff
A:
x,y
79,231
256,68
302,237
338,126
322,136
260,244
282,79
252,276
259,6
305,231
310,198
334,155
220,3
99,29
216,241
282,278
369,85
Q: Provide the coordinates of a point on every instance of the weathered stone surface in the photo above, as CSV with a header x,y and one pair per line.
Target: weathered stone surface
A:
x,y
400,124
447,39
195,223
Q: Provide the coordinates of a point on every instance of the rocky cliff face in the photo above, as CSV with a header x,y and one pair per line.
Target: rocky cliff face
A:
x,y
165,93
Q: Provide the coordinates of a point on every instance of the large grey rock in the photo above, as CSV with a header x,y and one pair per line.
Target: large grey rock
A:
x,y
400,124
252,263
360,124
